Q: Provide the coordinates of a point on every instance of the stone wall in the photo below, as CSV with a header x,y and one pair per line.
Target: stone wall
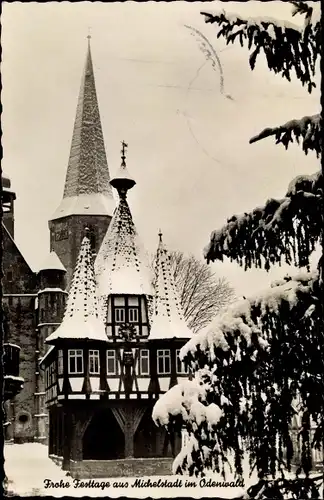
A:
x,y
128,467
21,409
19,295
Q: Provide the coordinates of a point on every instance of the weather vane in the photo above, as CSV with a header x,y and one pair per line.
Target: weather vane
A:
x,y
123,152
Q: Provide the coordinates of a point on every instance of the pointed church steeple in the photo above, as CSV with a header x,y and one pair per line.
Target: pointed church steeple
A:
x,y
87,173
87,198
168,321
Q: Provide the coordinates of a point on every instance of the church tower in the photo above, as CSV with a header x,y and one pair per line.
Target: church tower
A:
x,y
87,198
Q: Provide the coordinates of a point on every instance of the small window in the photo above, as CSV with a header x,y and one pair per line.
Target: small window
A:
x,y
9,276
180,364
133,315
75,361
52,374
133,301
47,377
94,362
120,315
111,362
60,362
119,301
144,362
163,361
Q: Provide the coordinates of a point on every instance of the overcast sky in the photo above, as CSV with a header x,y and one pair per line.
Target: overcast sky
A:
x,y
188,143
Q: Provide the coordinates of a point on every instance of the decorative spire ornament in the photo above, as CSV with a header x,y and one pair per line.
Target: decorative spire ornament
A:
x,y
123,152
123,181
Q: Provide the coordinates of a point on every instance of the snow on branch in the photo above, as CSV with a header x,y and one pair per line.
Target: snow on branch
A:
x,y
286,46
246,321
308,128
183,399
281,230
250,365
297,488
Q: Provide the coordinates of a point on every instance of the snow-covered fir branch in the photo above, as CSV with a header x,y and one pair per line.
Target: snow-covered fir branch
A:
x,y
287,489
287,47
281,230
259,366
307,130
250,366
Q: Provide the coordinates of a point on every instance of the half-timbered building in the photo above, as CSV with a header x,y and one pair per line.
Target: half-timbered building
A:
x,y
116,351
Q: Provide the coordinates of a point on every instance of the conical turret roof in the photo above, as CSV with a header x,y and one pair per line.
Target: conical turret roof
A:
x,y
87,189
121,265
81,319
168,321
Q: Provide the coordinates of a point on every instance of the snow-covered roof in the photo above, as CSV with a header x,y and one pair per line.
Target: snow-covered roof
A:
x,y
121,265
51,290
51,348
52,262
85,204
81,319
168,320
4,228
87,189
122,173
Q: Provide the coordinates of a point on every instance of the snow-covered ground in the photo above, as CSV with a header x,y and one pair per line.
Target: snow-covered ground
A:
x,y
27,466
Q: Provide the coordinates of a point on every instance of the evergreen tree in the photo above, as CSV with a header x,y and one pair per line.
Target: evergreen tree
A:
x,y
261,363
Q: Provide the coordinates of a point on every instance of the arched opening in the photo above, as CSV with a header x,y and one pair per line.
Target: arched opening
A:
x,y
23,418
146,437
103,438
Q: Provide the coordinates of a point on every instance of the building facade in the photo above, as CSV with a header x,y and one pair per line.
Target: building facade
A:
x,y
116,351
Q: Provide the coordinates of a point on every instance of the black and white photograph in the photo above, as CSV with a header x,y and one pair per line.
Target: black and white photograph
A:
x,y
162,249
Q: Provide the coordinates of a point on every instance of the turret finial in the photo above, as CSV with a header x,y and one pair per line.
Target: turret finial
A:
x,y
89,37
123,153
123,181
160,236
